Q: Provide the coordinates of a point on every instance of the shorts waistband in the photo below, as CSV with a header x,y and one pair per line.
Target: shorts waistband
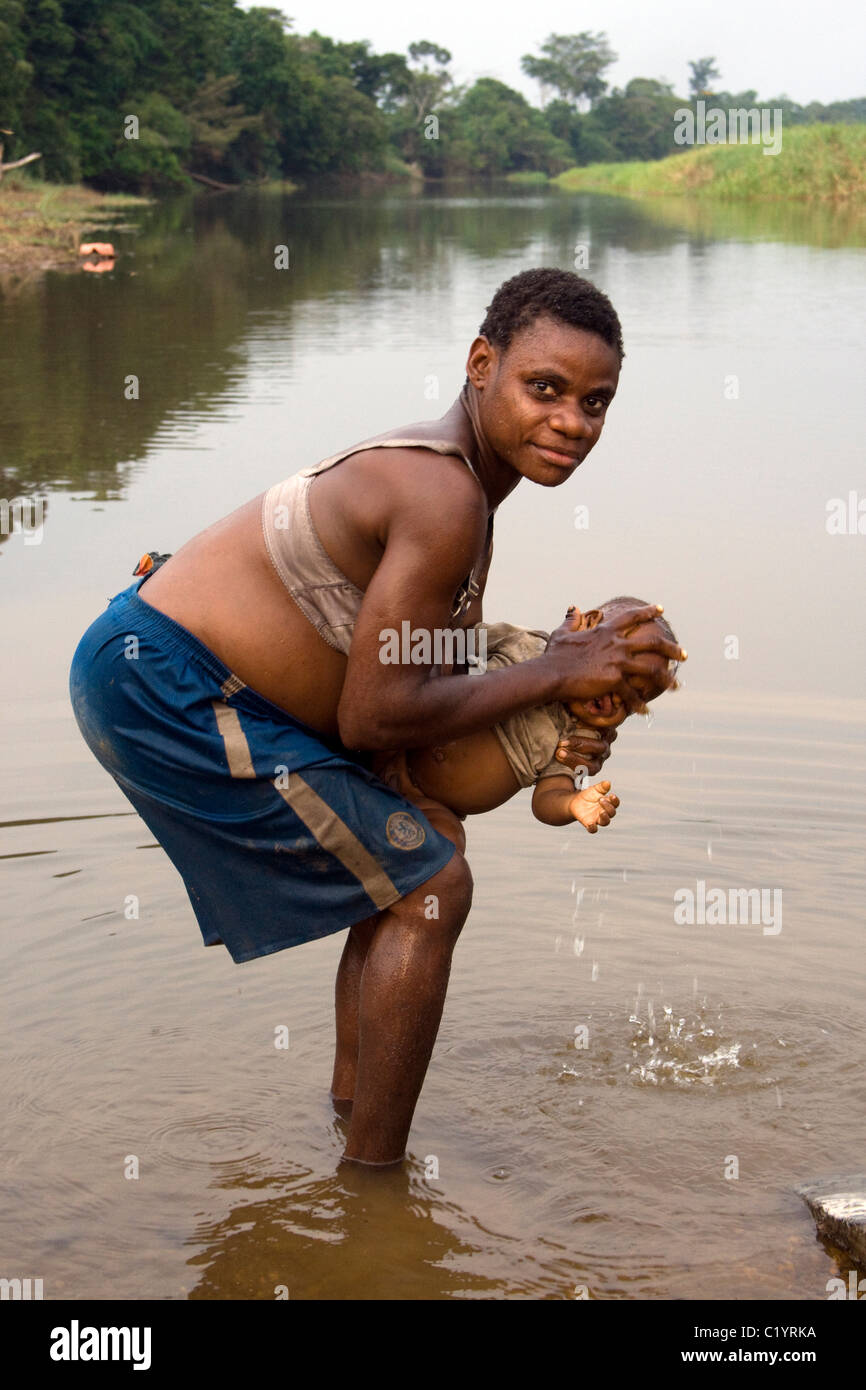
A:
x,y
173,636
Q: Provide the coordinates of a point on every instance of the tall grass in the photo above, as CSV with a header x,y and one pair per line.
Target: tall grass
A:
x,y
825,162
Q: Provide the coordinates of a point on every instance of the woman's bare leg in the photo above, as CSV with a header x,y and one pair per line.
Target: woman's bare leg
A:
x,y
347,996
400,1001
390,992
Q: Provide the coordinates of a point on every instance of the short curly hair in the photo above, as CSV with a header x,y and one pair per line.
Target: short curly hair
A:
x,y
565,296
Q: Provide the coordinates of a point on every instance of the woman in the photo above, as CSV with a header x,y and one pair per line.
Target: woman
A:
x,y
236,694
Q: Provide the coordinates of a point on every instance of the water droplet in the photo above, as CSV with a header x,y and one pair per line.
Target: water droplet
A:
x,y
650,718
595,969
578,945
709,850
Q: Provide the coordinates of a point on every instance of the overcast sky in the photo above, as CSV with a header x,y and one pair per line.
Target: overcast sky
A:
x,y
809,51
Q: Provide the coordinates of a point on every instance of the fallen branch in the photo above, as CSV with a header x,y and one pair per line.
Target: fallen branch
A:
x,y
211,183
16,163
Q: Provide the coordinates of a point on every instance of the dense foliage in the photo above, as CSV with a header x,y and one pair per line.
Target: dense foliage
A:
x,y
234,95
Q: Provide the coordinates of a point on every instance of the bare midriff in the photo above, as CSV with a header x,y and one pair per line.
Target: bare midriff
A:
x,y
222,587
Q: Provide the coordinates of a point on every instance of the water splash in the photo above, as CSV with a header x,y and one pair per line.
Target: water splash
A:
x,y
686,1050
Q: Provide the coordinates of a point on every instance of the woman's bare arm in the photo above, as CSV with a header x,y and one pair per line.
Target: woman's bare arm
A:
x,y
433,535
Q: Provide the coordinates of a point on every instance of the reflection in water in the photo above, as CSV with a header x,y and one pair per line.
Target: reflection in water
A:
x,y
804,223
307,1237
195,271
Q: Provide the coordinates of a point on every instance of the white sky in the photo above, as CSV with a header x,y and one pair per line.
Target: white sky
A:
x,y
808,51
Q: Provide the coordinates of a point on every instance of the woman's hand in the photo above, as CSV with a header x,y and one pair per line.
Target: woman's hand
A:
x,y
585,750
600,660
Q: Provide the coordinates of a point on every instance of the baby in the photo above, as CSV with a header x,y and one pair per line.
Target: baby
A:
x,y
476,773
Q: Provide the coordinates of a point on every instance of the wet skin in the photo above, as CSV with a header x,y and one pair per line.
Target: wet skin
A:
x,y
406,526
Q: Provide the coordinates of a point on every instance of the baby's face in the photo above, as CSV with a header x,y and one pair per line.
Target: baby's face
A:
x,y
609,711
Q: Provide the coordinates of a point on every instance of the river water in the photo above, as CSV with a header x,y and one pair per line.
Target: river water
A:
x,y
620,1103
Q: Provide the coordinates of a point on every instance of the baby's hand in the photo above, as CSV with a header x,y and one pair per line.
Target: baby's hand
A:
x,y
594,806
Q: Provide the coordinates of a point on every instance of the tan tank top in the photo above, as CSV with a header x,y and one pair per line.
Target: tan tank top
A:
x,y
325,596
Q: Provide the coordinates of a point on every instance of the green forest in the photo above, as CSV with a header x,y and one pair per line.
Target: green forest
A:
x,y
139,97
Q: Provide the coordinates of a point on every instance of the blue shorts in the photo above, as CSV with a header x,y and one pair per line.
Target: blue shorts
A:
x,y
279,835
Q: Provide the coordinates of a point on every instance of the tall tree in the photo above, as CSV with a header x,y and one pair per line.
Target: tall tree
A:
x,y
425,90
429,78
703,73
572,65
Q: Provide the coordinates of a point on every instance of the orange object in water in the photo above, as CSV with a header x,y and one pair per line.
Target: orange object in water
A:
x,y
99,248
98,265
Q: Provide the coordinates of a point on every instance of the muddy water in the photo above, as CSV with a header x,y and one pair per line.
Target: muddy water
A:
x,y
620,1102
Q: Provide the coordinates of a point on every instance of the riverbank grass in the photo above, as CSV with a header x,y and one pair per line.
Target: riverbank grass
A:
x,y
42,224
824,162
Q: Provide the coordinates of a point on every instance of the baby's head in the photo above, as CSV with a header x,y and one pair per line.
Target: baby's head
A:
x,y
609,711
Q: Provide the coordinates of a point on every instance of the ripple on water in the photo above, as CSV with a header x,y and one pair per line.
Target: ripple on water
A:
x,y
231,1143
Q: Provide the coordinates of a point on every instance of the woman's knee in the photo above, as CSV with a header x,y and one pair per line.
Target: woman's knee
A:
x,y
448,894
